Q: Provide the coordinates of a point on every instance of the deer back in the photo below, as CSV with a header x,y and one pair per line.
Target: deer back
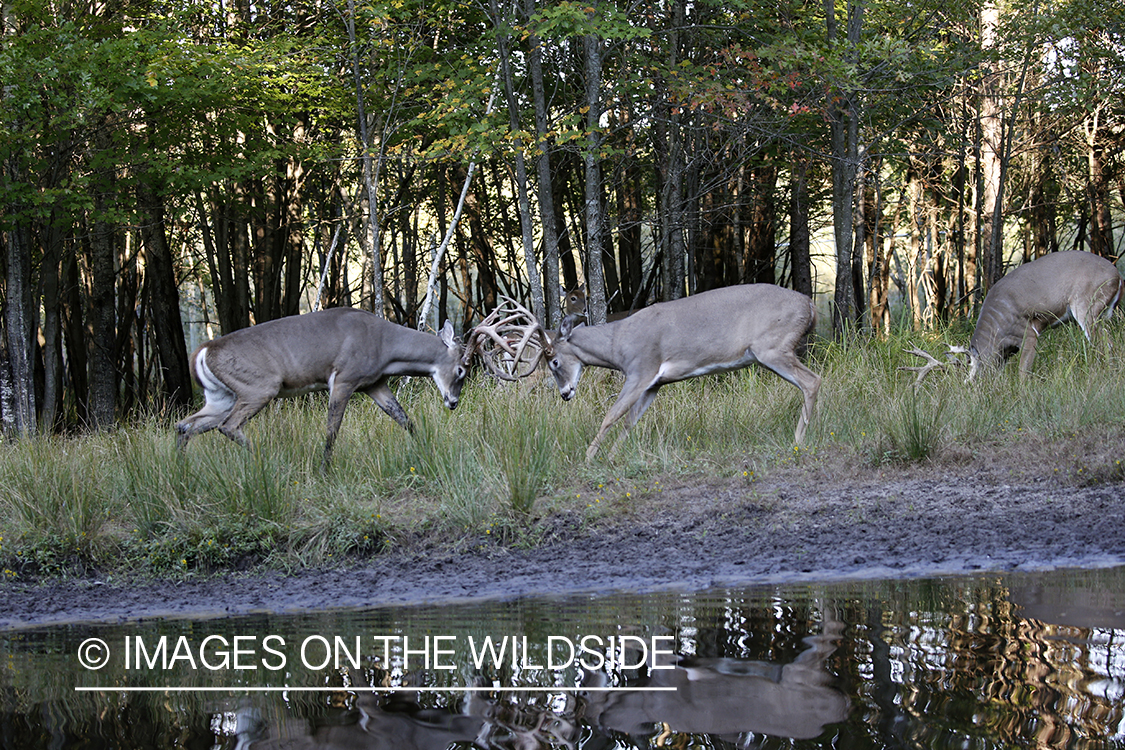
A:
x,y
303,352
709,330
1047,290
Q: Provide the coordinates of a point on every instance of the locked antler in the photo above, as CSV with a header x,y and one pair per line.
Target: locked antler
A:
x,y
514,331
933,363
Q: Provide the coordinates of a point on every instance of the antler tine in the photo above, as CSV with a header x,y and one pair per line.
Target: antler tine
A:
x,y
521,347
489,328
501,326
932,363
532,329
492,367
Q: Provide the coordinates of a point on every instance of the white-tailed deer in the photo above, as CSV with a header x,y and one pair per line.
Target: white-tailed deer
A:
x,y
1056,288
716,331
1059,287
342,350
575,303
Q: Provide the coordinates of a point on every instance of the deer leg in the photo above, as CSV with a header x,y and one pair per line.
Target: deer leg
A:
x,y
338,398
386,400
635,413
1027,348
204,420
626,400
1085,313
241,413
217,409
788,367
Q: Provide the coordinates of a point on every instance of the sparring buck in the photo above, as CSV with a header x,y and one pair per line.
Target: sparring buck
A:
x,y
1056,288
341,350
715,331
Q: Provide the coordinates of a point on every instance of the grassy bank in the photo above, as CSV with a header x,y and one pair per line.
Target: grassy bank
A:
x,y
127,501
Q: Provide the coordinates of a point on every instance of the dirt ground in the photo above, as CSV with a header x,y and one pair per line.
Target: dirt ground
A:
x,y
824,518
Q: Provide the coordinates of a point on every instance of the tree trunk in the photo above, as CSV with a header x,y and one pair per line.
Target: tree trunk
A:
x,y
991,130
878,265
102,315
843,118
50,281
758,214
524,204
163,299
595,219
1098,189
543,168
630,202
370,176
799,235
17,380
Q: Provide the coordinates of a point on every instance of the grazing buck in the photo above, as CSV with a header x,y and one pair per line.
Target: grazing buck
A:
x,y
1056,288
716,331
342,350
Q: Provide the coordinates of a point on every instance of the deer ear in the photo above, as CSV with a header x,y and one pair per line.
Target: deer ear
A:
x,y
446,335
570,322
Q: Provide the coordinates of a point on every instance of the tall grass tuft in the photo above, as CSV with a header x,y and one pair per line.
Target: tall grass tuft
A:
x,y
520,438
913,426
51,496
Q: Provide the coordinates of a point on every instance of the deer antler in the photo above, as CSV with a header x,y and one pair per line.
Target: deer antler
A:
x,y
503,328
933,363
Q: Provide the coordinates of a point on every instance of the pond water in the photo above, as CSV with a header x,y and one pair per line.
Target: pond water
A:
x,y
990,661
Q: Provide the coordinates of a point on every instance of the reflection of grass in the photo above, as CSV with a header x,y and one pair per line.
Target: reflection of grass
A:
x,y
509,453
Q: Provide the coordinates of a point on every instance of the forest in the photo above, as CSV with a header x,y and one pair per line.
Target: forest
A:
x,y
172,170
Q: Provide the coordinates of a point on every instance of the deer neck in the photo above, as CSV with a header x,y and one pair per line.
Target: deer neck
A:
x,y
596,346
414,353
998,328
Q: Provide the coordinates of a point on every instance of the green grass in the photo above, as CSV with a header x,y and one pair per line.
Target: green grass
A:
x,y
127,500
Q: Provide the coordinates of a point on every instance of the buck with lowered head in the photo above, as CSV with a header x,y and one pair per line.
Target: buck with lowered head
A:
x,y
1056,288
715,331
341,350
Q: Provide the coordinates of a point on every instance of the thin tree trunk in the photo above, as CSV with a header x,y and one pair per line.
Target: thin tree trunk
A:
x,y
543,166
102,317
163,299
799,236
50,278
991,130
17,382
370,175
535,281
1098,189
844,132
439,251
18,376
595,220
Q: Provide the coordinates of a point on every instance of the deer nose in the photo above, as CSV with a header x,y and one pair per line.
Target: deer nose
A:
x,y
451,402
567,394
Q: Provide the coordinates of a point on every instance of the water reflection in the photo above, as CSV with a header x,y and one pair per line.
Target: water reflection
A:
x,y
729,697
990,662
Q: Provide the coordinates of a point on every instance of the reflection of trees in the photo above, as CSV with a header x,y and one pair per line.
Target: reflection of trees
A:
x,y
966,664
922,664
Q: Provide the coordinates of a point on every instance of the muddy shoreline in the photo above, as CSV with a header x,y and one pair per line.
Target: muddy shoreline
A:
x,y
824,521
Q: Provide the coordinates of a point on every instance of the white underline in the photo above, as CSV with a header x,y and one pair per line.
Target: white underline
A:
x,y
358,689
